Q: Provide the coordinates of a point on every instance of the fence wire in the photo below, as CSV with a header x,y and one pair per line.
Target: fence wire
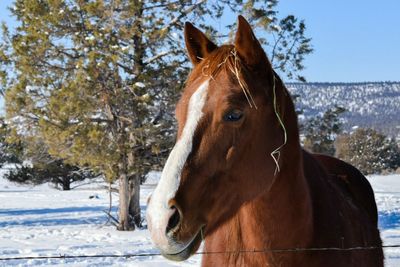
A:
x,y
138,255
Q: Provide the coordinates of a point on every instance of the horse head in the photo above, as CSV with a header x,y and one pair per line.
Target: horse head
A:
x,y
230,131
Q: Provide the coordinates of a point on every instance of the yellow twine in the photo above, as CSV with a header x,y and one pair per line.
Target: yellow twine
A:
x,y
242,84
277,153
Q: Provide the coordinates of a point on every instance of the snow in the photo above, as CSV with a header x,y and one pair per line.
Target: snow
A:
x,y
176,35
39,221
125,48
368,105
42,221
90,38
140,84
387,195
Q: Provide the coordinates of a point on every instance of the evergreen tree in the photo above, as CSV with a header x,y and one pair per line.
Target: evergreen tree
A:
x,y
36,166
9,152
96,78
33,164
368,150
320,132
55,172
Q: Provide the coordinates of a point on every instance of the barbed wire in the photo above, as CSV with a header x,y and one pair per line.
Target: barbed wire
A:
x,y
138,255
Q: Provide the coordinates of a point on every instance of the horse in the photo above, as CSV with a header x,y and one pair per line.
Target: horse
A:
x,y
239,179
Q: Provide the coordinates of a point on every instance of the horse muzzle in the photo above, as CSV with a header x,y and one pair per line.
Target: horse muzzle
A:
x,y
186,250
165,226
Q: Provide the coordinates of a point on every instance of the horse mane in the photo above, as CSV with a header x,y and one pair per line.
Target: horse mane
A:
x,y
218,60
224,58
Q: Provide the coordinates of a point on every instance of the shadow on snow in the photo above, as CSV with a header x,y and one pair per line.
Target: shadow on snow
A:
x,y
57,216
388,220
17,212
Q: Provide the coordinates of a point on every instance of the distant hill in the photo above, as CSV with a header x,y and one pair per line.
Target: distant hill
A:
x,y
368,104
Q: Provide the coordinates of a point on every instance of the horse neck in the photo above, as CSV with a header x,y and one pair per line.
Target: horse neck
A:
x,y
282,216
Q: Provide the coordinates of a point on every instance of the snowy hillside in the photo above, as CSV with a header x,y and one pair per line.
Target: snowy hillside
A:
x,y
42,221
374,104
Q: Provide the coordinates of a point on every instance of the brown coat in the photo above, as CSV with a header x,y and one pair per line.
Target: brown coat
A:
x,y
247,186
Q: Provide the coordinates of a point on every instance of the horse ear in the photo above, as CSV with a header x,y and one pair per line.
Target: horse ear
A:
x,y
247,45
197,43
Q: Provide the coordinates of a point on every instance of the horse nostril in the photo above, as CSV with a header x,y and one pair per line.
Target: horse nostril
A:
x,y
173,222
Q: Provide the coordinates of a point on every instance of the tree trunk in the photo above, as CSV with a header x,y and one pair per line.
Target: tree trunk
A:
x,y
124,220
134,202
66,183
137,38
138,65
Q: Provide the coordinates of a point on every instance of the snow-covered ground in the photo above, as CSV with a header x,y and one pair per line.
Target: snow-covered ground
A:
x,y
42,221
387,195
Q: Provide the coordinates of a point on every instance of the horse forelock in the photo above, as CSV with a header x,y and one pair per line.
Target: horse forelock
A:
x,y
224,58
216,61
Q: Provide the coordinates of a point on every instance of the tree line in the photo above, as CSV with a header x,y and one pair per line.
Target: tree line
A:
x,y
367,149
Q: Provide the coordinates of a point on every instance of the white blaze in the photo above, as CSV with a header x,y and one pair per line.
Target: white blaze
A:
x,y
166,189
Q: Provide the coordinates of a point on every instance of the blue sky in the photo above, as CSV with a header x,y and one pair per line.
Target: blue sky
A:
x,y
354,40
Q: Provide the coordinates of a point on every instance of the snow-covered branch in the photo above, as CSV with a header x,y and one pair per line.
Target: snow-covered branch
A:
x,y
182,15
159,55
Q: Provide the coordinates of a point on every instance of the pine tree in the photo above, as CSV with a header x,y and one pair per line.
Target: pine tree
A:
x,y
32,163
55,172
9,152
368,150
35,165
96,79
320,132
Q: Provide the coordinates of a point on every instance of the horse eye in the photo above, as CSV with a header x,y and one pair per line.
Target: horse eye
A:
x,y
233,115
